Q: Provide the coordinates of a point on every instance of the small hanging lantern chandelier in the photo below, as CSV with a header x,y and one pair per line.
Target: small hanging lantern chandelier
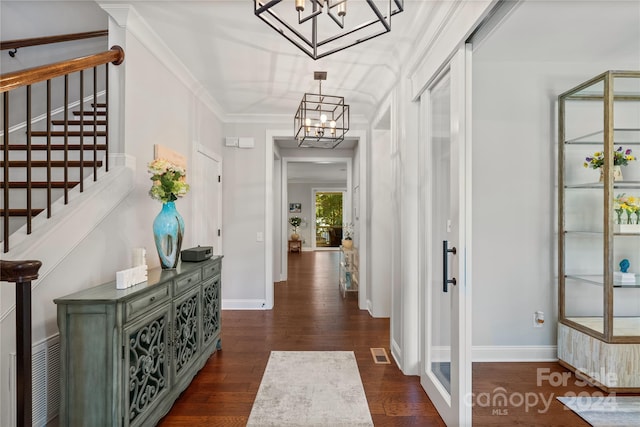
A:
x,y
320,35
321,120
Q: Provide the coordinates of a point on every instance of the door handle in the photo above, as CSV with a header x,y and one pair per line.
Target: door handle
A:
x,y
445,266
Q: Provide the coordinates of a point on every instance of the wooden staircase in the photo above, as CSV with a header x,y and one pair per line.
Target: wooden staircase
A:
x,y
60,157
77,149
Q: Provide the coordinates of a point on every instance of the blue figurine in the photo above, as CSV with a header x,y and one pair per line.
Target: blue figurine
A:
x,y
624,265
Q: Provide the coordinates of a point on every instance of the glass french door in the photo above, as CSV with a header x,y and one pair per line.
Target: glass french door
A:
x,y
446,334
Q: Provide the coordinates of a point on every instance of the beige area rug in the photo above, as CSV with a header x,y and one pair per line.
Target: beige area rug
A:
x,y
618,411
311,388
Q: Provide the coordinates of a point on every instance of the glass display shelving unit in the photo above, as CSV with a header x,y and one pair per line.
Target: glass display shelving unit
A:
x,y
348,278
599,302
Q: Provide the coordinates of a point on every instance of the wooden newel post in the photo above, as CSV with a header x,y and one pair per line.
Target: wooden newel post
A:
x,y
22,273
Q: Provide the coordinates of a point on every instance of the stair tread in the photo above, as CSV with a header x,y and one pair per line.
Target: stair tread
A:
x,y
54,147
21,212
76,122
69,133
54,163
90,113
40,184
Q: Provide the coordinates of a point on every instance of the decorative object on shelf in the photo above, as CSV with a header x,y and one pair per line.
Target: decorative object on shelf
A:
x,y
347,231
321,121
621,157
169,183
624,277
295,223
320,35
624,265
627,209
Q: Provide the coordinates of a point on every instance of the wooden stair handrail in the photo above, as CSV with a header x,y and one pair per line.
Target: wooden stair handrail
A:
x,y
33,75
36,41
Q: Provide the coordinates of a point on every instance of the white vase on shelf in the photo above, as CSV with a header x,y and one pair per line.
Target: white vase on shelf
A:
x,y
626,228
617,173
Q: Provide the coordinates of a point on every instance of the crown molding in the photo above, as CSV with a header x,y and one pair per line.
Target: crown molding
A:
x,y
126,16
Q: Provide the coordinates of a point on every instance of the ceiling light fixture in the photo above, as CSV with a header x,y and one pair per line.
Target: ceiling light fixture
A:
x,y
320,35
321,120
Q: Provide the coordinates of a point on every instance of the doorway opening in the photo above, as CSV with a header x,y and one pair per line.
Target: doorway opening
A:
x,y
328,218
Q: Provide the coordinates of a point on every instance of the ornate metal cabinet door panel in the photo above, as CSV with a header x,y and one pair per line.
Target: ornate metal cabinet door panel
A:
x,y
186,331
146,375
211,310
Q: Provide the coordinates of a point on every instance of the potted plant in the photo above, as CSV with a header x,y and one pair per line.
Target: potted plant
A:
x,y
621,157
347,233
295,223
627,209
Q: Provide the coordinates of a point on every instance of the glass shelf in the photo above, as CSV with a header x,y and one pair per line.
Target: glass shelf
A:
x,y
632,185
620,136
584,232
598,233
598,279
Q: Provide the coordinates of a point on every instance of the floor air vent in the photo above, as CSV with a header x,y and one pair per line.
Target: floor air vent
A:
x,y
380,356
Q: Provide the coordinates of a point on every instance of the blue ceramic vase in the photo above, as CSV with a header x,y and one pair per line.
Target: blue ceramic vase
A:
x,y
168,229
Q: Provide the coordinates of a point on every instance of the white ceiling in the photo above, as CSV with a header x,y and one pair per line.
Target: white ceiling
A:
x,y
317,172
249,69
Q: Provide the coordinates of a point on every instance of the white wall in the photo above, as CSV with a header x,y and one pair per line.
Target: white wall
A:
x,y
27,19
405,310
515,85
515,156
381,224
16,23
243,218
173,117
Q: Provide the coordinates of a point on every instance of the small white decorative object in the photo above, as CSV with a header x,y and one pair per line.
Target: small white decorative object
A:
x,y
138,257
132,276
621,277
626,228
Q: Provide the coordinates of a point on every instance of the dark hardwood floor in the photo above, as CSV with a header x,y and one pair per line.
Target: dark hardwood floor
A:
x,y
310,314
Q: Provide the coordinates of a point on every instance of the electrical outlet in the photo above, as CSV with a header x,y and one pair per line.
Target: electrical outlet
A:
x,y
538,319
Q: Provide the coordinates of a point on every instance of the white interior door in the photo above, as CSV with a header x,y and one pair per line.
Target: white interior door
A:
x,y
208,200
446,335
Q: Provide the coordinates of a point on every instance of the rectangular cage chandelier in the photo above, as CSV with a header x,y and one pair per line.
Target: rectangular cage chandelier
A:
x,y
322,27
321,121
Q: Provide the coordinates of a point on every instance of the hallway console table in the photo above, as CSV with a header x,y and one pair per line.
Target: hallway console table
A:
x,y
126,355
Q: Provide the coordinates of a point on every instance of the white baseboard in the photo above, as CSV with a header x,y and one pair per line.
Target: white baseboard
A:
x,y
519,353
244,304
396,353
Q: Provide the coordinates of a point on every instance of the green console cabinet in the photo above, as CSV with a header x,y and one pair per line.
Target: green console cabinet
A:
x,y
127,354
